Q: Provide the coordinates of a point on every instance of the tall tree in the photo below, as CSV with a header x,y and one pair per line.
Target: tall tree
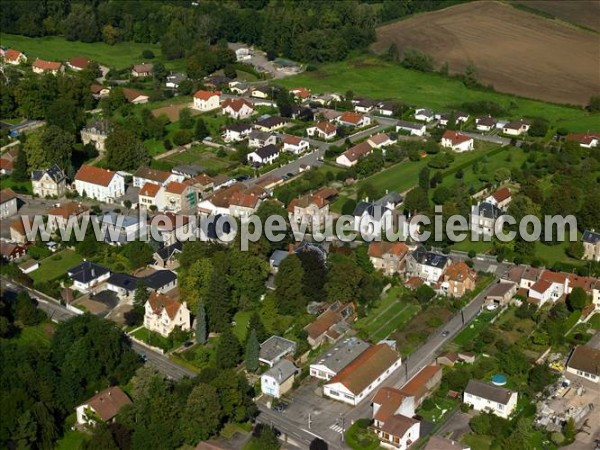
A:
x,y
201,325
252,351
20,172
255,324
201,417
218,308
200,132
289,289
228,350
424,178
125,151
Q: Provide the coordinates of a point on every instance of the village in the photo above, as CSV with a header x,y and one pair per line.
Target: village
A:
x,y
375,343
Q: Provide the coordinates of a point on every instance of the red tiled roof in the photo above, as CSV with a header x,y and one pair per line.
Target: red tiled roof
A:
x,y
108,403
300,92
292,140
554,277
205,95
351,117
455,137
378,249
202,180
583,138
6,164
94,175
131,94
398,425
143,68
244,200
158,302
97,88
379,139
501,194
6,195
47,65
417,387
541,286
12,55
458,271
323,323
389,399
175,187
236,103
80,62
149,190
358,151
68,209
160,176
326,127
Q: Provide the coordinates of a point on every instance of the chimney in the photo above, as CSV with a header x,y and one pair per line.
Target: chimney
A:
x,y
93,272
280,374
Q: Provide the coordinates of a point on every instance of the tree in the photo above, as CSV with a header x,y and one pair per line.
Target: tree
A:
x,y
182,137
470,77
416,200
569,430
539,127
424,178
256,324
20,172
578,299
575,250
201,417
200,131
252,351
185,118
138,253
125,151
201,325
229,71
594,104
147,54
343,279
424,293
441,195
289,289
228,350
218,308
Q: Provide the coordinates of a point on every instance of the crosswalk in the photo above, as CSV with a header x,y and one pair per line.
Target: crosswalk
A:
x,y
337,428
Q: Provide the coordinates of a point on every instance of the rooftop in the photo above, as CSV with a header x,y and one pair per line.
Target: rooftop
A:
x,y
342,354
275,347
489,392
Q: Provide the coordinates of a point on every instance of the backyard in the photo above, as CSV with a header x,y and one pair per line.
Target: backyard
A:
x,y
203,156
55,266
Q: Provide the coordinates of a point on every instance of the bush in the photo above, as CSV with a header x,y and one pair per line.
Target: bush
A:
x,y
147,54
428,404
182,137
167,144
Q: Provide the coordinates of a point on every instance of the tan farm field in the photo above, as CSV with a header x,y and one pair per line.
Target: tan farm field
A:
x,y
585,13
515,51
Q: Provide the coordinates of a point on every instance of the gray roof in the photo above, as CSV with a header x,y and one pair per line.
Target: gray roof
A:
x,y
261,135
343,354
239,127
118,220
409,125
267,151
87,271
276,347
190,170
422,256
488,210
277,257
102,127
55,172
591,237
281,371
123,281
484,390
160,278
168,251
391,197
424,112
373,209
272,121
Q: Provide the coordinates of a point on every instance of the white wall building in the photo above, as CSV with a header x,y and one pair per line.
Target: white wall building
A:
x,y
100,184
486,397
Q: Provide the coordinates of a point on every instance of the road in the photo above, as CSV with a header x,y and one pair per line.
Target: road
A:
x,y
58,313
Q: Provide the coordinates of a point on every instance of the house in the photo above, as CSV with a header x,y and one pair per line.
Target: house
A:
x,y
275,349
500,198
14,57
313,208
300,93
58,216
260,92
423,384
8,161
372,219
172,227
444,118
237,108
456,141
330,115
146,174
219,201
342,354
294,144
300,112
388,257
100,184
501,293
18,232
440,443
236,132
98,91
516,128
179,196
216,82
483,218
322,130
104,406
238,87
163,314
276,259
201,183
586,140
243,54
386,108
412,128
187,171
206,100
8,203
271,123
88,275
458,279
363,375
585,362
95,133
486,397
591,245
151,194
142,70
351,156
78,63
424,115
381,140
29,266
355,120
263,155
257,139
175,79
135,97
40,66
279,379
10,251
485,123
51,182
392,419
331,324
122,284
120,229
244,203
166,257
429,266
364,105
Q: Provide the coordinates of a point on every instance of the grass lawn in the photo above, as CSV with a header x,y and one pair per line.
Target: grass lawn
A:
x,y
241,320
390,298
473,330
18,186
443,405
55,48
594,321
154,339
371,76
72,440
55,266
395,322
37,334
477,442
203,156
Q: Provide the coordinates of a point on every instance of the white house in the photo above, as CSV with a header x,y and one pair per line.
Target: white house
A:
x,y
260,92
500,198
322,130
351,156
516,128
426,265
424,115
237,108
146,174
338,357
105,405
380,140
483,218
372,219
120,229
257,139
51,182
88,275
279,379
275,349
414,129
40,66
456,141
236,132
100,184
585,361
363,375
264,155
392,419
174,80
206,100
485,123
486,397
352,119
14,57
163,314
294,144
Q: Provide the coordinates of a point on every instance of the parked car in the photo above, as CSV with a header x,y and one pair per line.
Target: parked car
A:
x,y
445,333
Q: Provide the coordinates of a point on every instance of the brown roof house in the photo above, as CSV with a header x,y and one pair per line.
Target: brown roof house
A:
x,y
392,419
142,70
331,325
40,66
423,383
501,293
585,362
104,406
312,208
58,217
13,57
164,313
8,203
458,279
355,153
135,97
363,375
78,63
388,256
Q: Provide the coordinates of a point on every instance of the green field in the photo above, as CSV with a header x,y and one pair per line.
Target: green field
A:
x,y
395,322
594,321
55,48
72,440
55,266
473,330
38,335
373,77
204,157
241,320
